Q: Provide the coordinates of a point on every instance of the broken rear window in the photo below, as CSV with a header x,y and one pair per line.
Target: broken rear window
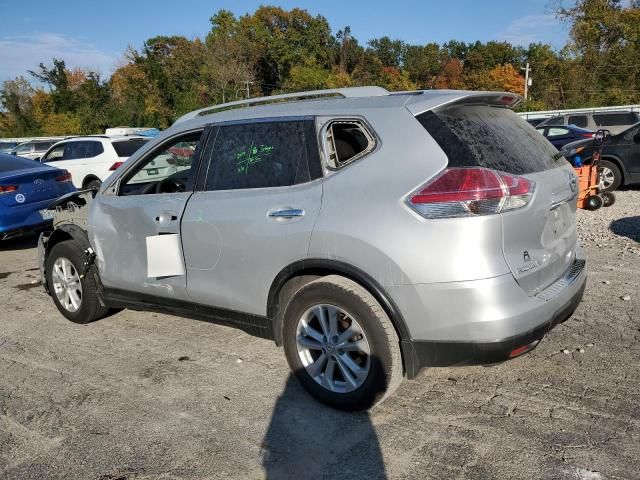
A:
x,y
490,137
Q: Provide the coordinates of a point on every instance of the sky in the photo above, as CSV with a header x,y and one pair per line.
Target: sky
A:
x,y
94,35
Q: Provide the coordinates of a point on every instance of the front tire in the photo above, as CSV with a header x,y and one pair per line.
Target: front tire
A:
x,y
74,294
341,345
93,185
610,174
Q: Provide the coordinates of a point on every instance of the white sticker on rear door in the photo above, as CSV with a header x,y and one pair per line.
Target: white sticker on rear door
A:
x,y
164,256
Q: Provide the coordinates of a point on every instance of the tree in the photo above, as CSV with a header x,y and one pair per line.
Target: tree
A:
x,y
16,100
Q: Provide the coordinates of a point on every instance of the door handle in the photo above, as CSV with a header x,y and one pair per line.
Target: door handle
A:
x,y
164,218
286,213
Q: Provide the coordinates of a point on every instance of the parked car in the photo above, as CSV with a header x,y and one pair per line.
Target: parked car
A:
x,y
7,147
620,161
560,136
92,159
32,149
615,122
371,234
26,190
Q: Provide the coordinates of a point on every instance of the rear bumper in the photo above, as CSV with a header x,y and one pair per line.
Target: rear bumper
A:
x,y
483,321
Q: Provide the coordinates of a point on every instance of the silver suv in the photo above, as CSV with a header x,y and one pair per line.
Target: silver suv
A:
x,y
368,233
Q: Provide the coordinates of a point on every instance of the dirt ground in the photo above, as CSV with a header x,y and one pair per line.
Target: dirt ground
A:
x,y
149,396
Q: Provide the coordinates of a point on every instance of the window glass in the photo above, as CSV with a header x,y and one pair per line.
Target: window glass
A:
x,y
346,142
96,149
126,148
579,121
264,154
24,148
557,132
167,170
76,150
614,119
42,146
55,154
490,137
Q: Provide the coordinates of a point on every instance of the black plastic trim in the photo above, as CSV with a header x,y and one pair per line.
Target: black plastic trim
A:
x,y
320,264
256,325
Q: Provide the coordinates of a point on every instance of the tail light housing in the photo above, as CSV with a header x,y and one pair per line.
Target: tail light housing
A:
x,y
64,177
8,188
587,135
470,192
115,166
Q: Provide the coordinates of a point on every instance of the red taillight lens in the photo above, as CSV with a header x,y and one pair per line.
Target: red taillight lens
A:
x,y
65,177
115,166
8,188
587,135
463,192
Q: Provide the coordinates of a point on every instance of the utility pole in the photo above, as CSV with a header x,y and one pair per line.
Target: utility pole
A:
x,y
527,82
247,83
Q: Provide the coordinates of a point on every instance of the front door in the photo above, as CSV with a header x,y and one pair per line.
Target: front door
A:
x,y
135,230
255,213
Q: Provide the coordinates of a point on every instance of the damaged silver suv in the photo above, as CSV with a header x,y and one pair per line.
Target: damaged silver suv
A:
x,y
368,233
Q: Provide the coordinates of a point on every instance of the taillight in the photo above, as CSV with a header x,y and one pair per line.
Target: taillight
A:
x,y
65,177
587,135
115,166
468,192
8,188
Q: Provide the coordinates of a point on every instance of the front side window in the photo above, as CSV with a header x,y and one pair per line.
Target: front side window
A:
x,y
264,154
166,170
55,153
25,148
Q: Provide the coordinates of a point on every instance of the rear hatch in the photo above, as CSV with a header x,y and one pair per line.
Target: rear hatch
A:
x,y
539,239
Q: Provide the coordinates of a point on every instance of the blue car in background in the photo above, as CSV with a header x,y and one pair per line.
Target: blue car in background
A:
x,y
560,135
27,187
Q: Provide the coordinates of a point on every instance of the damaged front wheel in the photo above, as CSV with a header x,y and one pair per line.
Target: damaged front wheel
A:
x,y
74,293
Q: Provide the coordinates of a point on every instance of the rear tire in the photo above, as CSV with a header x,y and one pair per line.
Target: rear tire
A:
x,y
608,199
354,361
75,295
611,175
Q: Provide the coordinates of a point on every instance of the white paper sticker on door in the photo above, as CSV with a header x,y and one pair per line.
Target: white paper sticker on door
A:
x,y
164,256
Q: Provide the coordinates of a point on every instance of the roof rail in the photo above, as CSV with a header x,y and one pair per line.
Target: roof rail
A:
x,y
351,92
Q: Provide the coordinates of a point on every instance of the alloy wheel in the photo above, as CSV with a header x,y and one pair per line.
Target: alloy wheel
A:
x,y
333,348
67,285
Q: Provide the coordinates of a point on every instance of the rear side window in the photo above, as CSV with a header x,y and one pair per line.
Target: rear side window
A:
x,y
614,119
490,137
579,121
9,163
347,141
126,148
264,154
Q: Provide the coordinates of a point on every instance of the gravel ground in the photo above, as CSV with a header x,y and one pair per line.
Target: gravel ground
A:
x,y
142,395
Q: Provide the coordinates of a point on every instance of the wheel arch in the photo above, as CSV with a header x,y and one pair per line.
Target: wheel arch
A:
x,y
89,178
619,163
294,276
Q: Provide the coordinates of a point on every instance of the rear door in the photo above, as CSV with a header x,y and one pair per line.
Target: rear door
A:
x,y
135,230
539,240
255,212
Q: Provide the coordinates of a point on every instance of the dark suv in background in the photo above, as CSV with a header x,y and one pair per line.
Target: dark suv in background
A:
x,y
615,122
620,164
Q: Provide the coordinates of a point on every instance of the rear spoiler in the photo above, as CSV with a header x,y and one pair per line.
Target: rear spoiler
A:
x,y
435,99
